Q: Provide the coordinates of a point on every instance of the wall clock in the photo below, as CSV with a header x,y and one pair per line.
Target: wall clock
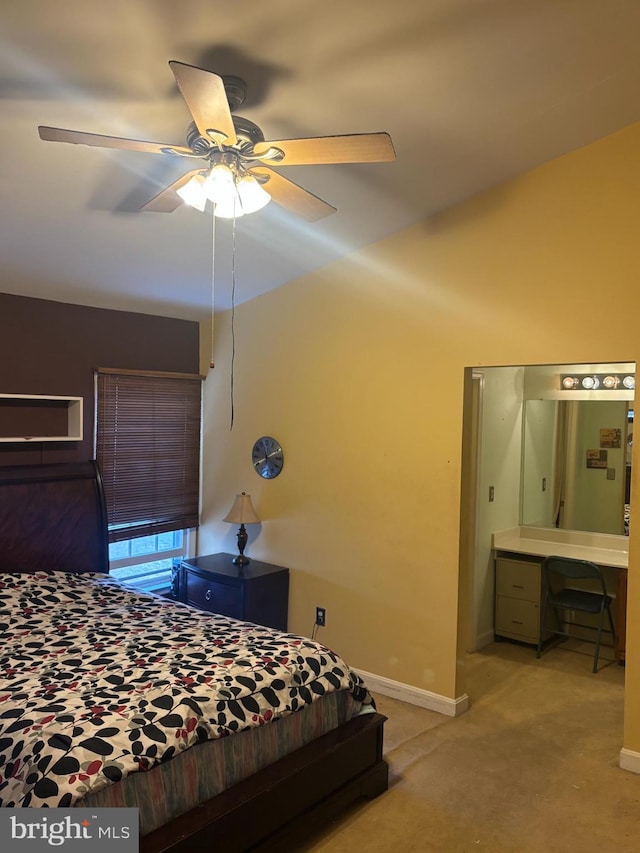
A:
x,y
267,457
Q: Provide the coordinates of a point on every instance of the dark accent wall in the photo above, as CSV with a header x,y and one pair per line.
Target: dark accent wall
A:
x,y
53,348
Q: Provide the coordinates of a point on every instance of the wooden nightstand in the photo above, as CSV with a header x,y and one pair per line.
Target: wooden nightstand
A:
x,y
258,592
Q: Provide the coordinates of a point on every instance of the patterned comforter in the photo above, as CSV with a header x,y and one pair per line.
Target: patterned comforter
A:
x,y
98,681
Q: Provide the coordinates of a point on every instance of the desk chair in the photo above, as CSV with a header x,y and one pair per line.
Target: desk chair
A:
x,y
556,572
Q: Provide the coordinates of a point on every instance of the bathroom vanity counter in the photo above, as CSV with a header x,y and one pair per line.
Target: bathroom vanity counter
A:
x,y
519,553
604,549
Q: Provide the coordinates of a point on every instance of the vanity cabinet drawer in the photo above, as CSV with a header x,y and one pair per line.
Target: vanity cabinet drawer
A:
x,y
517,618
518,599
518,579
206,594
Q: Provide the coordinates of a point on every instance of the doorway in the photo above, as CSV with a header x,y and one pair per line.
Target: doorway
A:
x,y
493,471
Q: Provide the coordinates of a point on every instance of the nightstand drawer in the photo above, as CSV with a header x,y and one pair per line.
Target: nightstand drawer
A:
x,y
256,592
206,594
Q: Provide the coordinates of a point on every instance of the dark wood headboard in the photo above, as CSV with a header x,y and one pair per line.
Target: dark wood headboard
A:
x,y
53,517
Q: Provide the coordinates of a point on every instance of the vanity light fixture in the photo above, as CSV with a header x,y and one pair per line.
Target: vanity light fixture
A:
x,y
597,381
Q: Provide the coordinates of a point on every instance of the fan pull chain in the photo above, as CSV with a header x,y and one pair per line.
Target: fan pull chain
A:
x,y
233,308
213,267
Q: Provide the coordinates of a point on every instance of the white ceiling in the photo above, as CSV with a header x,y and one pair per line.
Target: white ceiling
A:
x,y
471,91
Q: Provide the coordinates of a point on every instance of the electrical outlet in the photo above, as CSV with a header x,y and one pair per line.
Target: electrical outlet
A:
x,y
321,616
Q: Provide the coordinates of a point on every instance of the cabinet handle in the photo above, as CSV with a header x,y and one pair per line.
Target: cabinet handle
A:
x,y
207,595
517,586
516,622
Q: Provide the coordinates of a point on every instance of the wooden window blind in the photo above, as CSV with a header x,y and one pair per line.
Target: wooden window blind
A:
x,y
148,450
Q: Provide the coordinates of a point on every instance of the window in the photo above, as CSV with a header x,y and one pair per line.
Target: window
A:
x,y
148,451
146,561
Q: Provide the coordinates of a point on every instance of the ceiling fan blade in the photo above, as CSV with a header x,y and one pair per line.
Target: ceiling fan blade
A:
x,y
294,198
206,98
78,137
350,148
168,200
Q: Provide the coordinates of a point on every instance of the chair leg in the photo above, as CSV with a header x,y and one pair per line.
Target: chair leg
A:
x,y
613,630
543,622
596,654
560,620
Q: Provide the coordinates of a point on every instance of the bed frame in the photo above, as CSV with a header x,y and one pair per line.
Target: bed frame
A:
x,y
54,517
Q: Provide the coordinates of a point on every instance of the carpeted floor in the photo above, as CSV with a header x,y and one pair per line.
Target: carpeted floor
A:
x,y
532,767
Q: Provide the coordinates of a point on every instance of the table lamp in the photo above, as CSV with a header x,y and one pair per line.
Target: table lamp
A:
x,y
242,512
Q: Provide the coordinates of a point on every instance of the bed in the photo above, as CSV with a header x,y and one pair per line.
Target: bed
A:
x,y
263,736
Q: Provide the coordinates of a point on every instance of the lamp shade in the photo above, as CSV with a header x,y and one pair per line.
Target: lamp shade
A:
x,y
193,192
242,511
220,182
252,196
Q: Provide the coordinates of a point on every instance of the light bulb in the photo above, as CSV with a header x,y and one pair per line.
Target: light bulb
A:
x,y
629,382
590,383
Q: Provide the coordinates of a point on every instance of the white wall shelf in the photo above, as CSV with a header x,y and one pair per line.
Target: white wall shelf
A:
x,y
38,417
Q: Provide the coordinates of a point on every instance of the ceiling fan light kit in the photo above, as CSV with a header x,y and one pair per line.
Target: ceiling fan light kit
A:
x,y
233,192
237,174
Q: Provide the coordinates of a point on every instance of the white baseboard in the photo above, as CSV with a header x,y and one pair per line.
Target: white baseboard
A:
x,y
630,760
415,695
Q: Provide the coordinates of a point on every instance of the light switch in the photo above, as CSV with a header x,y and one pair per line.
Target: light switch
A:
x,y
611,473
491,494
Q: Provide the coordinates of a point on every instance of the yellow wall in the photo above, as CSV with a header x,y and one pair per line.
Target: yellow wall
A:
x,y
358,370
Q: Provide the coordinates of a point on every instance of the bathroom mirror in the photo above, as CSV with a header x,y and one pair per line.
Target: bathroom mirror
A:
x,y
576,464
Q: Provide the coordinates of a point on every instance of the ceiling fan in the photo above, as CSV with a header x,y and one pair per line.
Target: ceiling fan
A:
x,y
236,163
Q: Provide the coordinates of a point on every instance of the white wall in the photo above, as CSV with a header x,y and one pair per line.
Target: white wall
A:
x,y
359,371
500,452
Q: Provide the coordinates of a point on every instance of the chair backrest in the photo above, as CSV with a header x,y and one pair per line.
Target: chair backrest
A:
x,y
567,567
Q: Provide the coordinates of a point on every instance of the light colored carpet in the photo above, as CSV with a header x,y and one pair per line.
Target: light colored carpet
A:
x,y
532,767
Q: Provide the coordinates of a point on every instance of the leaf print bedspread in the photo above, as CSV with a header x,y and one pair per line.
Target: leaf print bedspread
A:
x,y
98,681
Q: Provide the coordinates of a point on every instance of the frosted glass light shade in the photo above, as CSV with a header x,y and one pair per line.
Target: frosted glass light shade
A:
x,y
231,196
252,196
220,187
220,183
193,192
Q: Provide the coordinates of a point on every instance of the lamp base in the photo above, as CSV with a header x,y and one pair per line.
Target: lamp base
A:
x,y
241,560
